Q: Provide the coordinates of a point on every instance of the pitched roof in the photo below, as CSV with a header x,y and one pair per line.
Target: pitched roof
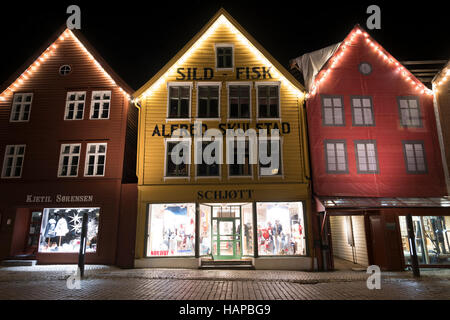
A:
x,y
358,31
222,16
26,70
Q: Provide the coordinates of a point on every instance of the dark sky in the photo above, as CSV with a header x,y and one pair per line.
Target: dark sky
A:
x,y
138,37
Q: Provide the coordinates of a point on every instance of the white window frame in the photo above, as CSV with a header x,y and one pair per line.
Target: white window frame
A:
x,y
362,108
179,84
96,154
252,166
404,122
22,106
224,45
15,156
365,143
166,141
209,84
101,101
280,138
268,83
71,155
240,83
76,102
219,176
335,155
407,162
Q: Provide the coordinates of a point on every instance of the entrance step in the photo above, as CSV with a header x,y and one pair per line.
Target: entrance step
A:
x,y
18,263
227,264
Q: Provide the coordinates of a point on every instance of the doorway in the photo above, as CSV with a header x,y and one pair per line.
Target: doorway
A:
x,y
25,237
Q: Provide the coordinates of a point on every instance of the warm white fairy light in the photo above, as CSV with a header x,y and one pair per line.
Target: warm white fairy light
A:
x,y
442,78
222,20
44,56
387,59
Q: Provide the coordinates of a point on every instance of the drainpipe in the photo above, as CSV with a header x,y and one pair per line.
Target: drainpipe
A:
x,y
412,246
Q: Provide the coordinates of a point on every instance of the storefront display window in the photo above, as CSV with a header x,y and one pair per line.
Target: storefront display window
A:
x,y
432,239
61,230
247,230
205,230
281,229
171,230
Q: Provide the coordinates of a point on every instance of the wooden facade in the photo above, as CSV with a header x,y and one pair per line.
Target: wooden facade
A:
x,y
47,128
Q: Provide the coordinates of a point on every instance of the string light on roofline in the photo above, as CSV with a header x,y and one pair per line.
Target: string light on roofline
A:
x,y
322,76
47,54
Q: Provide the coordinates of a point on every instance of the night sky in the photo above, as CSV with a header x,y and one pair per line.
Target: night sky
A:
x,y
138,37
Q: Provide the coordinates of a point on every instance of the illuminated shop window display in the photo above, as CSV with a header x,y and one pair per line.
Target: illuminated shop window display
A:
x,y
432,239
281,229
171,230
61,230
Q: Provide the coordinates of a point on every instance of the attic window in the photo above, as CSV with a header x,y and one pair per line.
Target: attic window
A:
x,y
365,68
65,69
224,56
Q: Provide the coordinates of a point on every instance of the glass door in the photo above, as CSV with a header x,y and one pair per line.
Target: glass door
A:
x,y
226,232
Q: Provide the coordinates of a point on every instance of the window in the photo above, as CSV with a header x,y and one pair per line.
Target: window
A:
x,y
100,104
268,101
95,160
224,56
179,102
366,157
171,230
21,107
208,169
415,157
336,156
272,165
333,111
281,228
65,70
240,165
239,101
13,162
362,108
365,68
409,111
68,160
178,155
75,106
61,230
208,101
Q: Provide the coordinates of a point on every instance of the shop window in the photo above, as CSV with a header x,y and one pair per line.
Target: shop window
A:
x,y
409,111
178,157
21,107
69,160
240,162
432,236
224,56
179,101
205,230
333,111
100,104
268,101
171,230
272,164
95,160
336,156
247,230
208,101
366,156
75,105
415,157
281,229
61,230
13,162
205,168
239,101
362,109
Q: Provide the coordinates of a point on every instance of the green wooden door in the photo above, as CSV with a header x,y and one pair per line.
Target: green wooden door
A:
x,y
226,238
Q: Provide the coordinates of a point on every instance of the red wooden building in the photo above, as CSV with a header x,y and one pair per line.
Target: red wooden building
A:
x,y
68,146
375,157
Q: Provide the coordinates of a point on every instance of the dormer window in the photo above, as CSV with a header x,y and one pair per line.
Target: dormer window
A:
x,y
224,56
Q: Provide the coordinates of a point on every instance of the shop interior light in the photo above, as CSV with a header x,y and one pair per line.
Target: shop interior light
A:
x,y
221,21
333,63
50,51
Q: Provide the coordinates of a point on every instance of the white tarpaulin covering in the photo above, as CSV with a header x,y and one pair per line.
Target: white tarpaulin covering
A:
x,y
311,63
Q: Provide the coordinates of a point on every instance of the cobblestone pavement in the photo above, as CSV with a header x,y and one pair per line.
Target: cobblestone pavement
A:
x,y
103,282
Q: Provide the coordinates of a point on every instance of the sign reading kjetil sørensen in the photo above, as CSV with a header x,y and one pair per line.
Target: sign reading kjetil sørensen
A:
x,y
59,198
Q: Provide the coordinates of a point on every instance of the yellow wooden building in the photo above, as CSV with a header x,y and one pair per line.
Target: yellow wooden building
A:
x,y
197,214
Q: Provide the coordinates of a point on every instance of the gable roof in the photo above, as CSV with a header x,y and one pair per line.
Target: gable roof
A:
x,y
222,16
442,76
48,49
358,31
